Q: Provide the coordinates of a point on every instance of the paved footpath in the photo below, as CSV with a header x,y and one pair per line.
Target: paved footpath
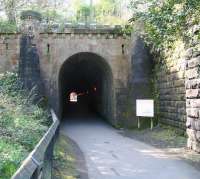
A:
x,y
109,155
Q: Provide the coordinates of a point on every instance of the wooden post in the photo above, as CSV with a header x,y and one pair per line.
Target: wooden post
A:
x,y
151,123
138,122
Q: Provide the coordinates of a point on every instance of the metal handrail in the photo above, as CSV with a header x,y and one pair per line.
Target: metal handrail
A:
x,y
34,162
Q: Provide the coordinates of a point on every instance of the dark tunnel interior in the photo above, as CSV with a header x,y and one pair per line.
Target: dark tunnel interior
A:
x,y
85,87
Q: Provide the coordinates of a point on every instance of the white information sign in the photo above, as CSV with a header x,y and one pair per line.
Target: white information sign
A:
x,y
144,108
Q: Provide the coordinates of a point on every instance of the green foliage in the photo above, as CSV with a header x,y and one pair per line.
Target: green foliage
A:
x,y
164,25
22,124
167,27
11,155
83,13
127,29
26,14
64,164
85,10
165,22
51,16
108,7
109,12
7,27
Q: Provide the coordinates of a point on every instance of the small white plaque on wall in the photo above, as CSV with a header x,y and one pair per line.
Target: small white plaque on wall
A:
x,y
145,108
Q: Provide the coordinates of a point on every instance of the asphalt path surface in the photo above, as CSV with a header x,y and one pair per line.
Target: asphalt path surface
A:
x,y
109,155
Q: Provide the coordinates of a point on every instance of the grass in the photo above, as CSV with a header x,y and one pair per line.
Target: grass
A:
x,y
162,136
22,124
169,135
64,165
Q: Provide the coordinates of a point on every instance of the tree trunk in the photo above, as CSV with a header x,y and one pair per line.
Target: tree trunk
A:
x,y
10,9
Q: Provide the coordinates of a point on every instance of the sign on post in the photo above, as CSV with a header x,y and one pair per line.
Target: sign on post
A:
x,y
145,108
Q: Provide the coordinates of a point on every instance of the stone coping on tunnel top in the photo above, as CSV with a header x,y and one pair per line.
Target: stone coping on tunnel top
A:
x,y
84,35
75,30
8,37
106,31
71,34
11,34
82,26
94,31
84,30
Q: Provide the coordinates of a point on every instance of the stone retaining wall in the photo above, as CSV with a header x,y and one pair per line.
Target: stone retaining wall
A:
x,y
9,51
171,89
193,98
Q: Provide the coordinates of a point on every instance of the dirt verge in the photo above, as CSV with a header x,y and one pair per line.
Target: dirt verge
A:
x,y
69,161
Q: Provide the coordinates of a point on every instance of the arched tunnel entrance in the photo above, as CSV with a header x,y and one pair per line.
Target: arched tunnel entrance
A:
x,y
85,83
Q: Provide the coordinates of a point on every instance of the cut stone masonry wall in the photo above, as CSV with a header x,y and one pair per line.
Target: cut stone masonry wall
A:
x,y
9,52
171,88
192,85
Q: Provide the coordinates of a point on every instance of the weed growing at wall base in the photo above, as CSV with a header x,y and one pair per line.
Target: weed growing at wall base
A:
x,y
22,124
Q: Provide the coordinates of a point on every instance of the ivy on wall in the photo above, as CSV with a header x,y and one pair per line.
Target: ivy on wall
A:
x,y
169,28
166,21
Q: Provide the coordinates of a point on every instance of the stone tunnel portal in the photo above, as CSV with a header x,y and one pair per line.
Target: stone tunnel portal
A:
x,y
86,86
